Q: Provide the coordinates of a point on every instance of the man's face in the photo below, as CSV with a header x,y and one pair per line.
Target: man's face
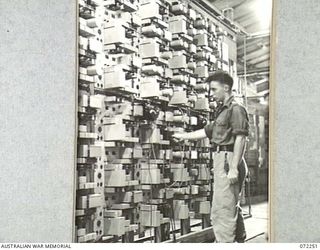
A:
x,y
218,90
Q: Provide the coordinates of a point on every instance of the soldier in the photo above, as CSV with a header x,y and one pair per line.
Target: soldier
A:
x,y
227,133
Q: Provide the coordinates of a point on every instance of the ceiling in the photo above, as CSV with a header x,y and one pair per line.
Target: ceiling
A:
x,y
254,17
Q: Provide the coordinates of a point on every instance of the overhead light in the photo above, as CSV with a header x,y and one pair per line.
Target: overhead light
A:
x,y
263,12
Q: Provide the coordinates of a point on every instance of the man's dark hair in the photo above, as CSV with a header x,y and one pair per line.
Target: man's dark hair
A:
x,y
222,77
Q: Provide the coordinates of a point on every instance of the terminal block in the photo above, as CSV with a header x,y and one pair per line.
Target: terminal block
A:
x,y
142,71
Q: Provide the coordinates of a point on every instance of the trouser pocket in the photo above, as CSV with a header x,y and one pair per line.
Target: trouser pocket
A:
x,y
226,163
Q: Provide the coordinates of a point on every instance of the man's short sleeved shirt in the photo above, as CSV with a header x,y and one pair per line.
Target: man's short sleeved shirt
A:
x,y
231,121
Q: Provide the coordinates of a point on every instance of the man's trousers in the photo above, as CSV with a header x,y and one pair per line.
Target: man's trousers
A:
x,y
224,211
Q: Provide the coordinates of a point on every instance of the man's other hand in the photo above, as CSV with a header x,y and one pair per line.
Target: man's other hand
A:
x,y
178,137
233,175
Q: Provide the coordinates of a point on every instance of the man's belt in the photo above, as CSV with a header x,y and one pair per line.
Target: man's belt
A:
x,y
218,148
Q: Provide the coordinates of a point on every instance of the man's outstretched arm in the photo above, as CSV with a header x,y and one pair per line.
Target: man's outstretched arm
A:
x,y
195,135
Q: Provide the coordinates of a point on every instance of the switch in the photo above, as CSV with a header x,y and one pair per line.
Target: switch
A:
x,y
179,97
202,71
115,132
115,178
149,87
204,207
150,218
114,77
178,24
150,176
149,49
118,34
149,10
114,226
177,62
194,189
201,39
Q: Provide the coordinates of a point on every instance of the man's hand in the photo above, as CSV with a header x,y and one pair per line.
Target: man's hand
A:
x,y
233,175
178,137
238,150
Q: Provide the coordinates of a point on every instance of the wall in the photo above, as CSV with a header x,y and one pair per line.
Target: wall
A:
x,y
295,119
38,120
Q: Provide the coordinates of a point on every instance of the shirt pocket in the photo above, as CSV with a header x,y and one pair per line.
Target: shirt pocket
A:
x,y
221,127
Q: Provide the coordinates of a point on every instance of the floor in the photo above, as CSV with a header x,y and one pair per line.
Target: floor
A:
x,y
257,225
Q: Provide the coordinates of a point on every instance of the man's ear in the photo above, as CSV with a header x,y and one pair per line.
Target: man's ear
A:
x,y
226,88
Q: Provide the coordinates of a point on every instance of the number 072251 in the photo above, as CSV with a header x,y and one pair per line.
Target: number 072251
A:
x,y
308,245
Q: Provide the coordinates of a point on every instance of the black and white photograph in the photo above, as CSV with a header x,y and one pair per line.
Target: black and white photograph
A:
x,y
159,121
173,121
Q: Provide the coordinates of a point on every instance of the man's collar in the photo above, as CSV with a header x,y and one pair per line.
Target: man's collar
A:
x,y
228,101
